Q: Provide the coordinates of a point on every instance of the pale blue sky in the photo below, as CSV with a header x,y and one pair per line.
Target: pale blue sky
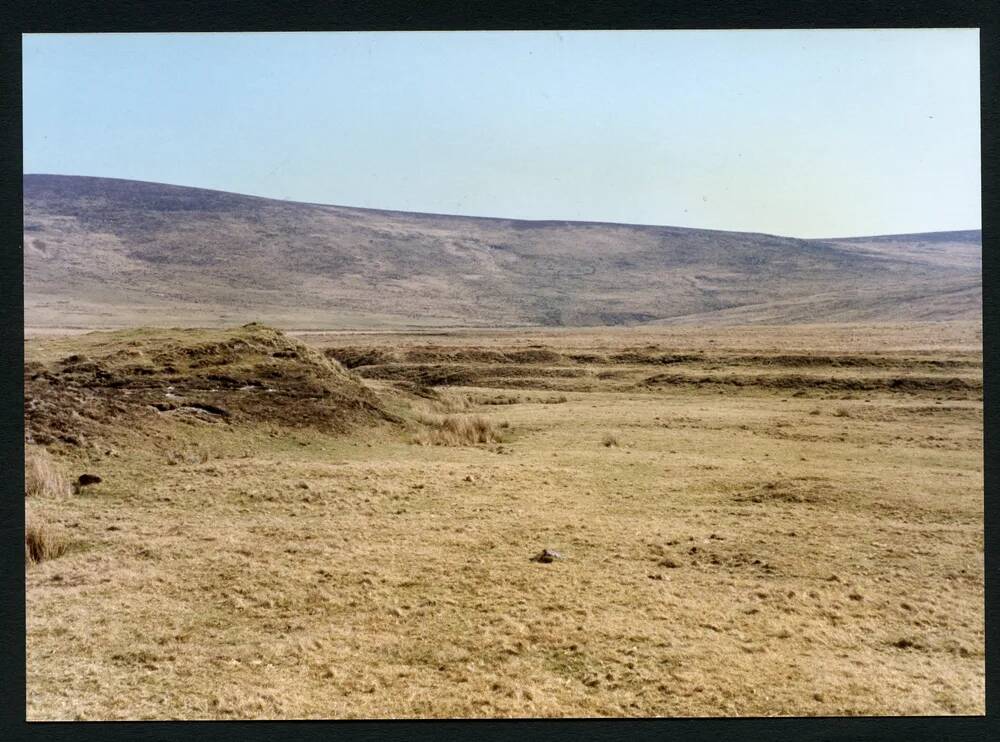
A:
x,y
801,133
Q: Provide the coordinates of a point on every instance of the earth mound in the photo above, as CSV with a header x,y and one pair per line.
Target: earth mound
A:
x,y
89,386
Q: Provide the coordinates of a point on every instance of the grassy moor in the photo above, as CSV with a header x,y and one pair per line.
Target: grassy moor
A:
x,y
645,521
103,252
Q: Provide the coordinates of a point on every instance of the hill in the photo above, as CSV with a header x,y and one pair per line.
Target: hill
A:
x,y
102,252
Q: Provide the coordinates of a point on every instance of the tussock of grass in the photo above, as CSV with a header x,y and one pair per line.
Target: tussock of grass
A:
x,y
459,430
501,399
177,457
42,477
41,543
509,399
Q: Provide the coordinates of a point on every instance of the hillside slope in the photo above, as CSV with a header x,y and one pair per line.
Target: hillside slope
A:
x,y
106,252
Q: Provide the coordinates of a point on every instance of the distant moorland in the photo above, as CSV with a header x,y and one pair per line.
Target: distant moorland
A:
x,y
102,252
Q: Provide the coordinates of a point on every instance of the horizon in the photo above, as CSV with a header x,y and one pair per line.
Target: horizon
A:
x,y
500,217
804,134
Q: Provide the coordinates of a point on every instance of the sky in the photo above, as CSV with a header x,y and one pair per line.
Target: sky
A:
x,y
799,133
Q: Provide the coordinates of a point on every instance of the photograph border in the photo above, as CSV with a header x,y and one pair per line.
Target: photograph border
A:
x,y
52,16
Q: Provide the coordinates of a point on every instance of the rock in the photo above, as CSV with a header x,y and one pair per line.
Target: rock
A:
x,y
669,563
303,486
85,479
547,556
469,478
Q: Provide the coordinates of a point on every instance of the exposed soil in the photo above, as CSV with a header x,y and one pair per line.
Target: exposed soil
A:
x,y
130,378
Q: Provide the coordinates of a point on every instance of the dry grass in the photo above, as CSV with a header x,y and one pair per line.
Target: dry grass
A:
x,y
459,430
176,458
41,541
498,399
738,556
42,478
